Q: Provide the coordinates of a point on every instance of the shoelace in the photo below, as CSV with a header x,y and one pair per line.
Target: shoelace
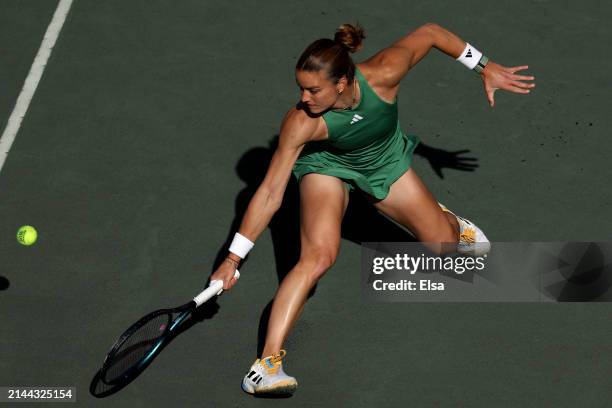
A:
x,y
468,235
273,359
276,357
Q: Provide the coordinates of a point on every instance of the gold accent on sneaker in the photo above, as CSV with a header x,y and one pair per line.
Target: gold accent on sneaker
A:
x,y
275,361
468,235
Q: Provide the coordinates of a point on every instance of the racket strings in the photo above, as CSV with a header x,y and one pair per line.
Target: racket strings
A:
x,y
136,347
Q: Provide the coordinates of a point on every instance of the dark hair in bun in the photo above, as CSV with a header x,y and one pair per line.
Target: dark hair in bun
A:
x,y
333,55
349,36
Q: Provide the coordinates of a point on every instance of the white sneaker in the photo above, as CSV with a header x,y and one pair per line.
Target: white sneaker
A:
x,y
472,241
266,376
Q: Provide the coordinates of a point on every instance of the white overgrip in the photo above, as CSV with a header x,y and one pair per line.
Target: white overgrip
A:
x,y
215,288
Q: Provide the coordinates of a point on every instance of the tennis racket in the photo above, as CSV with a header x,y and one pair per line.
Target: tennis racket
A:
x,y
143,340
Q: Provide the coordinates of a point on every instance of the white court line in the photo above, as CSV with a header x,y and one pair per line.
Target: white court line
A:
x,y
31,82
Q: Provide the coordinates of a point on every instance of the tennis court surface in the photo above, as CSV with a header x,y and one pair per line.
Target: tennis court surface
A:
x,y
150,129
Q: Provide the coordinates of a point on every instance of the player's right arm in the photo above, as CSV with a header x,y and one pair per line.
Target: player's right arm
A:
x,y
296,130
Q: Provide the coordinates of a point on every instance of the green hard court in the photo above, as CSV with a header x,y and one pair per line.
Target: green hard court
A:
x,y
154,122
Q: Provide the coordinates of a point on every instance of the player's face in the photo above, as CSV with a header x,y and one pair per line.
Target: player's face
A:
x,y
318,93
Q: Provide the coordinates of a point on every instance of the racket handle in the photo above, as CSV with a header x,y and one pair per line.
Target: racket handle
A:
x,y
215,288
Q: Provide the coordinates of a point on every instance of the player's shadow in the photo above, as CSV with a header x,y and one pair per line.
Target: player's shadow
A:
x,y
362,222
101,389
4,283
443,159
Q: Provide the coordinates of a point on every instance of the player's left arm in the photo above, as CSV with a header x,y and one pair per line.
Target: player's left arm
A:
x,y
394,62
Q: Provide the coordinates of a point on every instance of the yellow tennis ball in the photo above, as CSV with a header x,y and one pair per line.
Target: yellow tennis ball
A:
x,y
26,235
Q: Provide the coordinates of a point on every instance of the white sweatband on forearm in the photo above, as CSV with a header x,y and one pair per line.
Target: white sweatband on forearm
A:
x,y
470,56
241,245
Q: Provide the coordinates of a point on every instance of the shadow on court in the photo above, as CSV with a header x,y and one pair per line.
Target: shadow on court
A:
x,y
4,283
285,225
442,159
285,232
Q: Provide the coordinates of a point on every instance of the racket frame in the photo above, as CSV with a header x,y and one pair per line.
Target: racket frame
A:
x,y
215,288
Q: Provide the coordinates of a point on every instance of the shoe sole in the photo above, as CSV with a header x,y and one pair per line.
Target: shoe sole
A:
x,y
477,249
287,388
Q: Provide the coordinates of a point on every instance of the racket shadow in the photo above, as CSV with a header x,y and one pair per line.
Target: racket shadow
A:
x,y
99,389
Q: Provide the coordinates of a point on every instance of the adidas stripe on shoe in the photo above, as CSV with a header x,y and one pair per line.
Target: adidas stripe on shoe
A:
x,y
266,376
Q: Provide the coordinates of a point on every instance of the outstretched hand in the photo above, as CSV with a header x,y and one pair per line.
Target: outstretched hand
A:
x,y
495,76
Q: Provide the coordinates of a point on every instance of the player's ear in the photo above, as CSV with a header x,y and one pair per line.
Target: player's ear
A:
x,y
341,84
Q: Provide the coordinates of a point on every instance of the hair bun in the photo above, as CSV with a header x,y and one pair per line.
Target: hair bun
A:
x,y
350,37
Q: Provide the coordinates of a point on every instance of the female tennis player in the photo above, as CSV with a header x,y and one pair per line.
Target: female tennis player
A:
x,y
344,135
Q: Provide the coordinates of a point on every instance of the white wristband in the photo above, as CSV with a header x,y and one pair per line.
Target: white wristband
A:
x,y
470,56
241,245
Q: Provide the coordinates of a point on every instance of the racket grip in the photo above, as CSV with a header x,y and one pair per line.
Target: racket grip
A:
x,y
215,288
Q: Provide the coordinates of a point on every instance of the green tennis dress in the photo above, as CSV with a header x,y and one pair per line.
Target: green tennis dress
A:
x,y
366,147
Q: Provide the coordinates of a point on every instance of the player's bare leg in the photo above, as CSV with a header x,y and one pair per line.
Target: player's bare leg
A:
x,y
323,203
412,205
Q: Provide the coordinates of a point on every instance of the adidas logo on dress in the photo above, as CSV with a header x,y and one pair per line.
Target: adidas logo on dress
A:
x,y
356,118
469,54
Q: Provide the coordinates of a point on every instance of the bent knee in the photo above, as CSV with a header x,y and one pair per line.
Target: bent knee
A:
x,y
318,260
